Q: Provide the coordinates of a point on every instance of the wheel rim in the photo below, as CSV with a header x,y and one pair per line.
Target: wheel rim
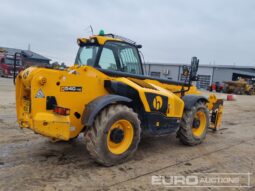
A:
x,y
120,136
199,124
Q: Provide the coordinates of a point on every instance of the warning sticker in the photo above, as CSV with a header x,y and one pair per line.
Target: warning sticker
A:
x,y
39,94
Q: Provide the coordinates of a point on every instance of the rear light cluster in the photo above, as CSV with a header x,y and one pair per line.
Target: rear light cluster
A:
x,y
61,111
51,104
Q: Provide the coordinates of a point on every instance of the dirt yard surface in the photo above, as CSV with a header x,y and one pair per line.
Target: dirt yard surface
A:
x,y
31,162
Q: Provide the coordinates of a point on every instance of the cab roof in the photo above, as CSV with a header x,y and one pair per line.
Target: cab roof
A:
x,y
101,39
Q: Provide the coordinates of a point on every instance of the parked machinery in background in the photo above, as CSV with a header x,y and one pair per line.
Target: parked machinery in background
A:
x,y
7,64
239,87
217,86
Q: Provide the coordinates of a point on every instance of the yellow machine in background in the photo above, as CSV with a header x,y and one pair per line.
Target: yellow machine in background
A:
x,y
239,87
106,96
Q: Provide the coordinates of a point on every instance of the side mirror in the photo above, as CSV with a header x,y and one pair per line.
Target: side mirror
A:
x,y
194,68
185,71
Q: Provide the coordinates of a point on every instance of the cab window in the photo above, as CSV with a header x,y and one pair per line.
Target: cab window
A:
x,y
129,60
86,55
119,56
107,60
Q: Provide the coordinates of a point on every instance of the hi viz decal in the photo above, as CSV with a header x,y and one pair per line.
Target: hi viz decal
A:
x,y
71,89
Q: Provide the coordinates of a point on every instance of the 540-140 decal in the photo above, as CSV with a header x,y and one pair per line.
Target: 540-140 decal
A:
x,y
70,88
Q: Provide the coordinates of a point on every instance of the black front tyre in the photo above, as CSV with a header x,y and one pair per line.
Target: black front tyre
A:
x,y
194,124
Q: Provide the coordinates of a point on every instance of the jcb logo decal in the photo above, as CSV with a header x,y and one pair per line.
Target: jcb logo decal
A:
x,y
157,102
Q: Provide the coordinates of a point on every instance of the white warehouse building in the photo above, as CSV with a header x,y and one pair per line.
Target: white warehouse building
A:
x,y
207,73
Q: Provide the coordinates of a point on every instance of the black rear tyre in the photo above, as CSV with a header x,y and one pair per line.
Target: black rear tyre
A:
x,y
114,136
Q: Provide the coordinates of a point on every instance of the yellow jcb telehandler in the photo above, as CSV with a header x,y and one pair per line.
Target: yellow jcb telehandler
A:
x,y
106,96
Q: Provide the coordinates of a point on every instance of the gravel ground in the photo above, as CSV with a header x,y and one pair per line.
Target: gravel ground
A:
x,y
31,162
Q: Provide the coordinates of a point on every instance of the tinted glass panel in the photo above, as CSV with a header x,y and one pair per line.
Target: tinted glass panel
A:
x,y
86,55
120,57
129,60
107,60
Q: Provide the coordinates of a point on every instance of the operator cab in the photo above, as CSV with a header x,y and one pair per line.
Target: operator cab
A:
x,y
118,56
112,55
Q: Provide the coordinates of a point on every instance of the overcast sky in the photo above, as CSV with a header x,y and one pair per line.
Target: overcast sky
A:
x,y
171,31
